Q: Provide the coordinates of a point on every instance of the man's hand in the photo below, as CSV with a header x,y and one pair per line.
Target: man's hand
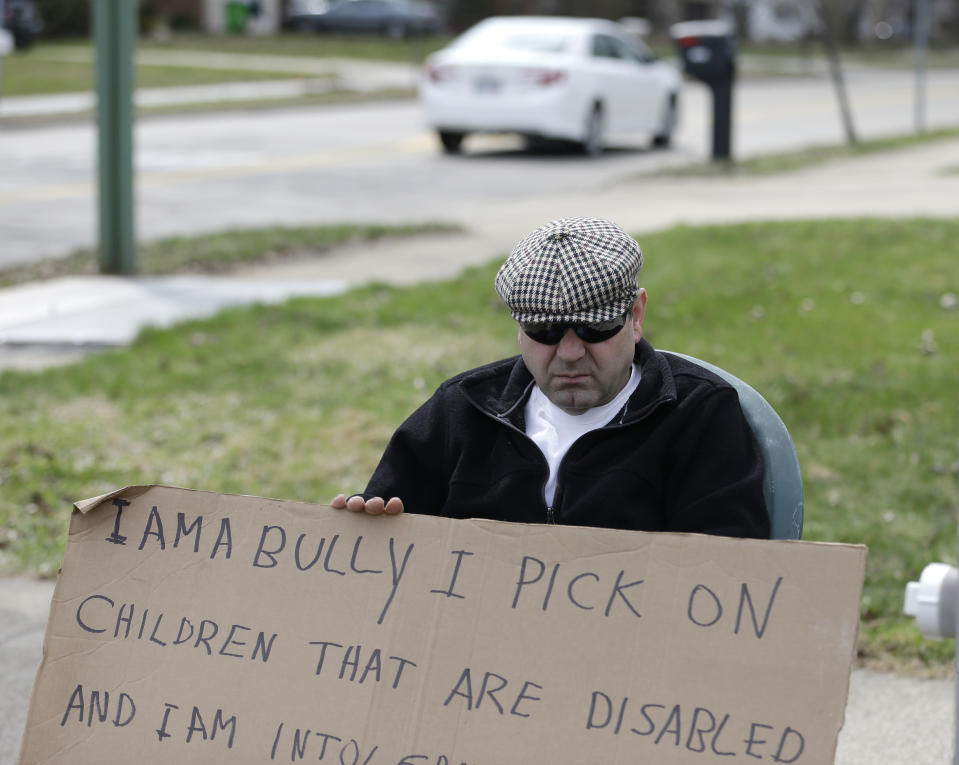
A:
x,y
372,506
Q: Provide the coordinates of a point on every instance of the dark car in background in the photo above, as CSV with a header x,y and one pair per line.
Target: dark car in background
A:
x,y
393,18
302,14
22,19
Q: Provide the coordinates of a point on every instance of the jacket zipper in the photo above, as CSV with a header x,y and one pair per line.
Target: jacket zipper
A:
x,y
552,511
502,418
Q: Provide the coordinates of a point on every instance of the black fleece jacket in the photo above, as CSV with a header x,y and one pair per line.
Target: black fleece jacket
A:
x,y
679,456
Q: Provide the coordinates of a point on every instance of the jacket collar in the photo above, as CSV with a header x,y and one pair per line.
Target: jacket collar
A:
x,y
501,389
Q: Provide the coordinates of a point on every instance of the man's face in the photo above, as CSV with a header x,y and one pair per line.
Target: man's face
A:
x,y
576,375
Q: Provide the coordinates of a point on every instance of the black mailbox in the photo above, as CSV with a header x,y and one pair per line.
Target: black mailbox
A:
x,y
708,53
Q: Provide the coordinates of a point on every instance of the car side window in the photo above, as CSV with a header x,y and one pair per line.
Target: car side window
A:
x,y
346,8
359,8
605,46
629,52
638,51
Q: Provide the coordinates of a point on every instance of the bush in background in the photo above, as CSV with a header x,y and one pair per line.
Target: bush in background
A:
x,y
71,18
65,18
465,13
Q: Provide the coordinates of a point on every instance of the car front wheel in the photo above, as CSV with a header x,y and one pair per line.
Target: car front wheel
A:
x,y
452,142
664,136
594,140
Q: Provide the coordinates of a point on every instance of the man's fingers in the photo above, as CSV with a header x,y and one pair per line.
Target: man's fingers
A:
x,y
372,506
356,504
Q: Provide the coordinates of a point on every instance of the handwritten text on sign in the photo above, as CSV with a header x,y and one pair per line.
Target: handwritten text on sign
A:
x,y
195,626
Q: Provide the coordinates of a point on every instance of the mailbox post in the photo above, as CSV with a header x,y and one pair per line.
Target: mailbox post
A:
x,y
708,52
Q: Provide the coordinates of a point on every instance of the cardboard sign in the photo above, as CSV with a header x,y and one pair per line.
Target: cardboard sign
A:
x,y
192,627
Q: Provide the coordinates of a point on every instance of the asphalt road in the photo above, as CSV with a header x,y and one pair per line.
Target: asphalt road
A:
x,y
377,161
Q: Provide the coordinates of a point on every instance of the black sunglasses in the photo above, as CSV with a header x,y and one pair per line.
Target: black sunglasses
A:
x,y
597,332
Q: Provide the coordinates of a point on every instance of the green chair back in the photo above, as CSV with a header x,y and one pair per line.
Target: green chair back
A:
x,y
782,485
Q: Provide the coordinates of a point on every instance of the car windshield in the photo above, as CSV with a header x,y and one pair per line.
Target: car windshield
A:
x,y
504,38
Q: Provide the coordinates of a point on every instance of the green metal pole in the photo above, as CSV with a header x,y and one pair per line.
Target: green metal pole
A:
x,y
114,30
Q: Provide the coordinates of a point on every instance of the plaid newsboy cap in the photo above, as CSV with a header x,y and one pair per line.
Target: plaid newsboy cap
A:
x,y
574,270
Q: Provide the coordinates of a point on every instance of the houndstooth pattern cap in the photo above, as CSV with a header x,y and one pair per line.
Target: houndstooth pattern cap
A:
x,y
573,270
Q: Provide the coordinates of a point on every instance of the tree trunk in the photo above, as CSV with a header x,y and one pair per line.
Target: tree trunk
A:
x,y
831,23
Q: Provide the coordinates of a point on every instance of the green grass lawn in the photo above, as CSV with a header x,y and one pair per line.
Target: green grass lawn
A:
x,y
40,72
307,44
221,252
781,162
63,67
849,328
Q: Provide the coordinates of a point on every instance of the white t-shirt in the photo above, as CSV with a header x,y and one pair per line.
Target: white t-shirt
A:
x,y
554,431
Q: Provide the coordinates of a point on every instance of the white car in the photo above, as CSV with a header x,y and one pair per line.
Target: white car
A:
x,y
549,77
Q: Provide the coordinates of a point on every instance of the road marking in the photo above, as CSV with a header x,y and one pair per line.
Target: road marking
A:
x,y
47,193
418,144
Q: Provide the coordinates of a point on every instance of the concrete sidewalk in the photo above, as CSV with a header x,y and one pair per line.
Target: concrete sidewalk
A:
x,y
322,75
109,310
